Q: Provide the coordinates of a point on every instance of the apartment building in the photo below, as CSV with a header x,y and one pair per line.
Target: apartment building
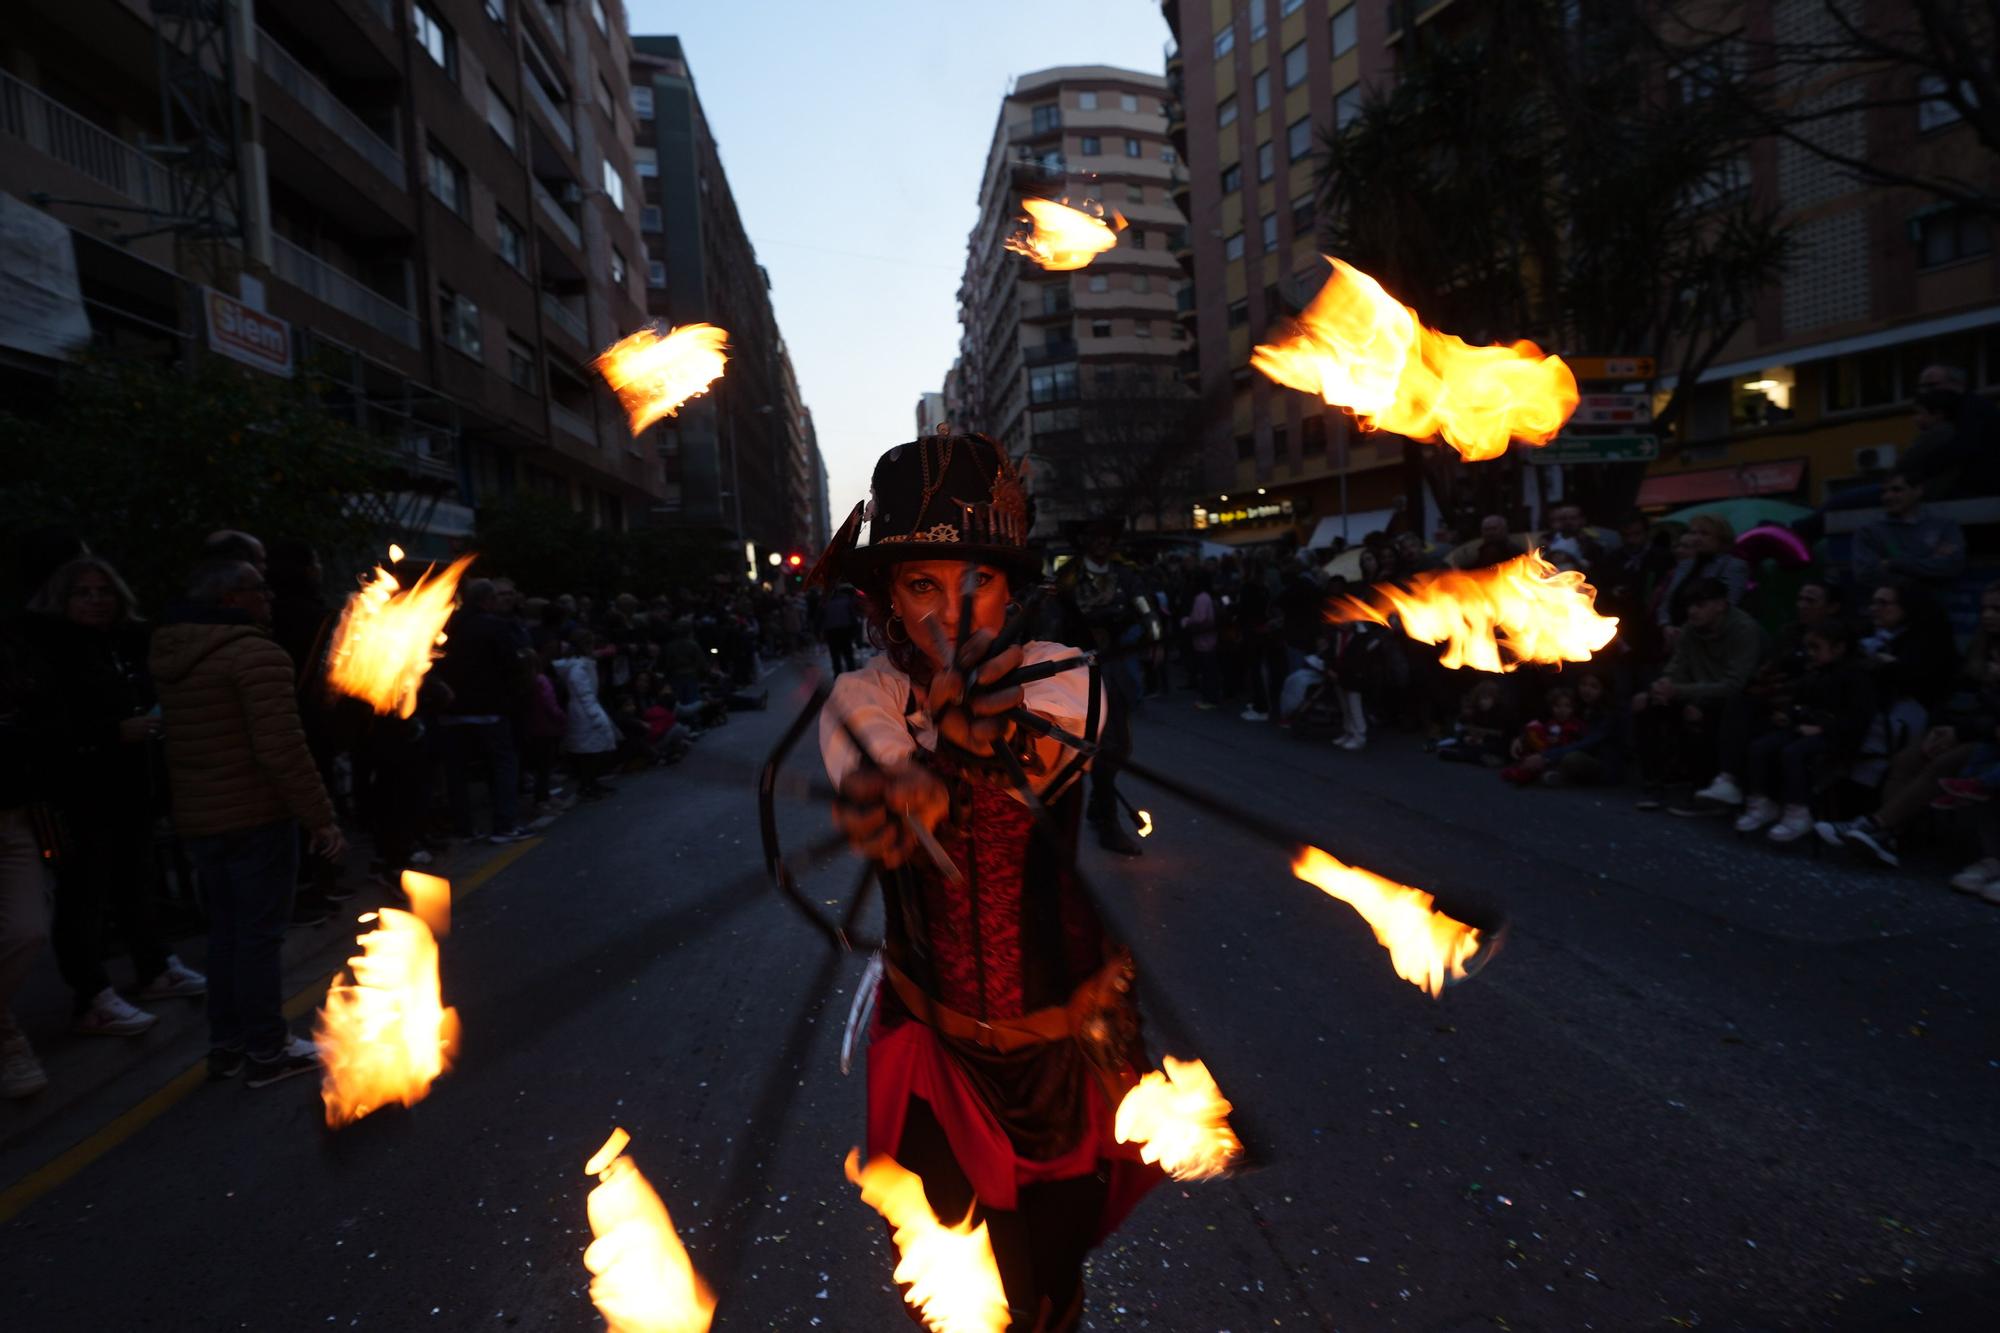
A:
x,y
1038,349
1253,83
430,202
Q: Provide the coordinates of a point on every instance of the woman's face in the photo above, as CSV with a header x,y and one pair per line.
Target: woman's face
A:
x,y
925,596
93,602
1589,690
1687,546
1885,608
1707,540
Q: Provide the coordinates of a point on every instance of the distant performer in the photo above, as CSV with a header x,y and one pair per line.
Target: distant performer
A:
x,y
1105,607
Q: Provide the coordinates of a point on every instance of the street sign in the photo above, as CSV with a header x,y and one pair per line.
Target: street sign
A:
x,y
1597,449
1613,409
1610,367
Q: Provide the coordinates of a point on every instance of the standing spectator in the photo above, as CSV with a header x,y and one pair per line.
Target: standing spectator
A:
x,y
1495,547
546,724
1677,716
1820,727
837,621
484,667
242,782
1262,645
1711,559
232,544
24,917
1907,542
1412,557
685,663
1200,624
589,736
301,620
1569,535
91,653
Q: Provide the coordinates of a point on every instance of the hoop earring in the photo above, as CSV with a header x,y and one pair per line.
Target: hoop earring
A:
x,y
889,632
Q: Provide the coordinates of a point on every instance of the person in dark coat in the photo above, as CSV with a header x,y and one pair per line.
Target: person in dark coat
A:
x,y
487,673
301,622
1820,728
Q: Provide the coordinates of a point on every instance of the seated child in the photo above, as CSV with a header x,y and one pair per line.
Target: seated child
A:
x,y
1561,727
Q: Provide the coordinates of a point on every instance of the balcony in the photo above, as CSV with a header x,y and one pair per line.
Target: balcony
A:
x,y
328,285
565,319
331,112
1174,61
1049,352
52,129
572,421
1180,191
552,19
553,211
552,112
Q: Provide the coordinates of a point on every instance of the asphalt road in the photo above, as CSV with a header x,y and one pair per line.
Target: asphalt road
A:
x,y
1707,1084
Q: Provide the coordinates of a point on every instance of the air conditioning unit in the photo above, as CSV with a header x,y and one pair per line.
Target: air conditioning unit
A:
x,y
1875,458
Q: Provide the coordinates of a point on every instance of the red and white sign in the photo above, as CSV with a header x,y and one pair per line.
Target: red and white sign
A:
x,y
250,336
1613,409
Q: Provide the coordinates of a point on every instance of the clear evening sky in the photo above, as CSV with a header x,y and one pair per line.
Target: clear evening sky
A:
x,y
853,136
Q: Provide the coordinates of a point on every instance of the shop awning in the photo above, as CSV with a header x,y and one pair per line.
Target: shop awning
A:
x,y
1778,477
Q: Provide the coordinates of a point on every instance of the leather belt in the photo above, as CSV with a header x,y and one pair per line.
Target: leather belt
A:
x,y
1038,1027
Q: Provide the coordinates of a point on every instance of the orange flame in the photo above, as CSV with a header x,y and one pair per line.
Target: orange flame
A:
x,y
953,1281
384,1036
1524,608
388,635
1426,947
642,1280
430,900
1145,823
654,374
1065,238
1360,349
1180,1119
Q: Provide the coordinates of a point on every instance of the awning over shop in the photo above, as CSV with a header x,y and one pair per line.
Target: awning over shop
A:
x,y
1357,525
1778,477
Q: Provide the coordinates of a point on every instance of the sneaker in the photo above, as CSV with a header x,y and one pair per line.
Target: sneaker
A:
x,y
1352,743
1976,876
1966,789
516,834
1723,791
175,980
420,857
1653,798
1762,811
21,1074
1866,833
110,1016
1796,822
1991,893
225,1063
1252,715
296,1056
1831,831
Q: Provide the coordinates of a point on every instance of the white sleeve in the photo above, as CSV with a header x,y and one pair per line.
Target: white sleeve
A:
x,y
1063,698
871,700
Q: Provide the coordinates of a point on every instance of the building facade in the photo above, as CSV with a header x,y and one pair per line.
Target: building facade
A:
x,y
1042,354
429,202
741,460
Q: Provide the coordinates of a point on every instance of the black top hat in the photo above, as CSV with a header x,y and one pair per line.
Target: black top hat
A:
x,y
940,497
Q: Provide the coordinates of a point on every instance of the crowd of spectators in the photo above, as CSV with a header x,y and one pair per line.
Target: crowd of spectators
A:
x,y
162,768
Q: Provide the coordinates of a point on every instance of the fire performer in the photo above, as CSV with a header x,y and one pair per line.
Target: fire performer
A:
x,y
1007,1032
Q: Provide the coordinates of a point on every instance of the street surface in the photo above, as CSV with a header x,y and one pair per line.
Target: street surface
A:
x,y
1707,1084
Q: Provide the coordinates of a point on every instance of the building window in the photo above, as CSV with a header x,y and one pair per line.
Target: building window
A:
x,y
1342,30
510,241
1267,161
1246,448
1302,213
1299,138
1289,7
1225,112
1128,101
1099,283
1232,248
597,16
1347,106
617,267
1232,178
1135,194
1132,148
1141,283
649,218
1949,235
1046,118
458,321
1258,24
656,273
1142,328
447,179
605,101
1866,380
1936,110
1051,384
1225,40
1295,66
434,38
1260,89
1100,328
1269,231
1086,101
500,116
646,167
497,11
521,364
642,101
614,185
1169,156
1092,145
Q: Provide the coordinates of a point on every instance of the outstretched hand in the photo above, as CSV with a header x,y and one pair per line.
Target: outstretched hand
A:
x,y
876,807
974,720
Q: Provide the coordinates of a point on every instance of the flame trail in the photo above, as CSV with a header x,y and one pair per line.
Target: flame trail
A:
x,y
384,1035
388,635
1360,349
642,1280
1065,238
1426,947
1181,1120
953,1281
1493,619
654,374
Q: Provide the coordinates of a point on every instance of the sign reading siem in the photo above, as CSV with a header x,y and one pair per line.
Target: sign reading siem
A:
x,y
250,336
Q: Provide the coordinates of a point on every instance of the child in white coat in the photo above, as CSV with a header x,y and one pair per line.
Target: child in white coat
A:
x,y
589,738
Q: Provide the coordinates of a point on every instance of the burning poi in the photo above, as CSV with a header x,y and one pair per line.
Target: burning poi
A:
x,y
642,1280
388,634
1492,619
1063,238
653,374
1361,349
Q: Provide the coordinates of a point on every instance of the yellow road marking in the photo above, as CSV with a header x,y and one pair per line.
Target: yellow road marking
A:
x,y
51,1174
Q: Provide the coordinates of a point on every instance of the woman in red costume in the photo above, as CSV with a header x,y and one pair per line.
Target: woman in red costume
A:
x,y
1006,1030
